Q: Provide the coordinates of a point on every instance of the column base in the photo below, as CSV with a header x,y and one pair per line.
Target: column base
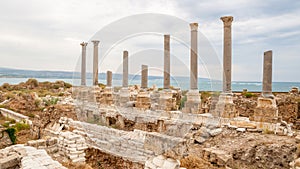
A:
x,y
124,96
107,96
193,103
166,101
143,100
266,110
225,107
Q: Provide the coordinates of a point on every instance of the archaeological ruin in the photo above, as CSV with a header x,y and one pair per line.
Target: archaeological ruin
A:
x,y
151,128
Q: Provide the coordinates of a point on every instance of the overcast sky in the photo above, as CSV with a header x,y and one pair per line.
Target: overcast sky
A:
x,y
45,35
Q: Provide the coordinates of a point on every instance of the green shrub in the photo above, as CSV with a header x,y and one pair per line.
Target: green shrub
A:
x,y
11,133
101,85
12,121
249,95
182,101
33,82
22,126
37,102
31,115
56,86
6,124
67,85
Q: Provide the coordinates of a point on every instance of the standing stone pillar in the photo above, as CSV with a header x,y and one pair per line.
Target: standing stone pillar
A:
x,y
108,79
267,75
193,103
225,107
166,61
107,96
83,64
95,63
227,21
144,78
143,100
166,101
124,92
266,110
125,69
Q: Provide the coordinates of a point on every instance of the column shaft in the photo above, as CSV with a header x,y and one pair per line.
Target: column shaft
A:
x,y
194,57
267,74
227,54
144,78
83,64
95,63
166,61
109,79
125,68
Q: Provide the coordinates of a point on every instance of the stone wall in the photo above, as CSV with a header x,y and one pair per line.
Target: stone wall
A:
x,y
26,157
72,146
50,145
14,115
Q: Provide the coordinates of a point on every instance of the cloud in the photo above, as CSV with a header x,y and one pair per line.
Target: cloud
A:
x,y
46,34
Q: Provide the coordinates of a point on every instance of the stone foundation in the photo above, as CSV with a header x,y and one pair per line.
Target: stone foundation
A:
x,y
266,110
143,100
166,101
193,103
225,107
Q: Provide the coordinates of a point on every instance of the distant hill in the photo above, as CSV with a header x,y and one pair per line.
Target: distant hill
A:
x,y
19,73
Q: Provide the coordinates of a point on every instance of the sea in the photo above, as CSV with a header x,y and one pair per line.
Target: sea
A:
x,y
180,82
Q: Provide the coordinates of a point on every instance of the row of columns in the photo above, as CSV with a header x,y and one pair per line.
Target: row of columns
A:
x,y
193,94
95,62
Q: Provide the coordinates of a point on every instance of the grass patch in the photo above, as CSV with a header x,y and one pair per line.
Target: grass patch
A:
x,y
21,126
249,95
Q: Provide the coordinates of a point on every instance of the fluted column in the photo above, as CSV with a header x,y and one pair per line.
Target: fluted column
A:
x,y
267,75
125,68
109,79
144,78
227,53
83,63
194,57
95,63
166,61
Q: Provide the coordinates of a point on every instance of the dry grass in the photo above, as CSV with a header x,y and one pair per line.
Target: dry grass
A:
x,y
194,162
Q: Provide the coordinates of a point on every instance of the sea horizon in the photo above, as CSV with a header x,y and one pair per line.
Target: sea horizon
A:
x,y
179,82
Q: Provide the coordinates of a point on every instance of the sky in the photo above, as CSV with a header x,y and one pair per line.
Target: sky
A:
x,y
45,35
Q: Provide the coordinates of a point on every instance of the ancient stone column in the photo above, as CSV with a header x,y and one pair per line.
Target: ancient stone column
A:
x,y
95,63
194,57
227,20
109,79
144,78
193,103
125,68
166,61
267,75
143,100
124,92
83,64
225,107
266,110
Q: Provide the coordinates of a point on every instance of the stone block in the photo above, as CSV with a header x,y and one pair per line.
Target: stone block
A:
x,y
159,160
171,164
10,161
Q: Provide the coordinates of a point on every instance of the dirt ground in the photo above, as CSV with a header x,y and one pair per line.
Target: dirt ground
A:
x,y
248,150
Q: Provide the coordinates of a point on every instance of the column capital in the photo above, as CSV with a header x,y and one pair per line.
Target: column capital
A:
x,y
83,44
194,26
125,52
227,20
96,42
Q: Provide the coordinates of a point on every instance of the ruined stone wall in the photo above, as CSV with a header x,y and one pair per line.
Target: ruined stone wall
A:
x,y
20,156
136,146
